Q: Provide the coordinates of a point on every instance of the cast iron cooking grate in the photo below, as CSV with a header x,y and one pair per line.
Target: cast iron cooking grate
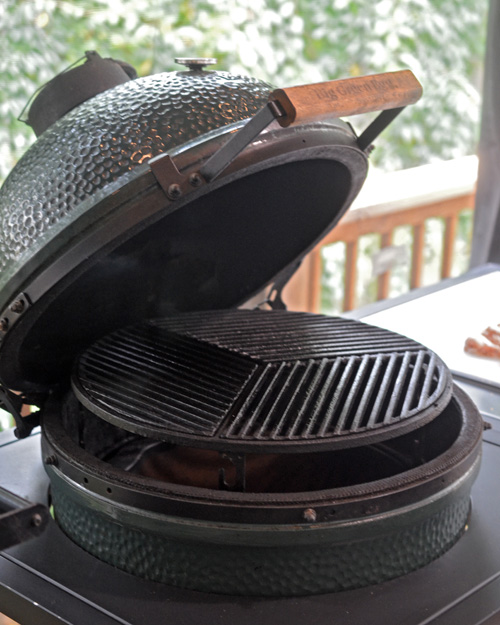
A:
x,y
334,397
253,380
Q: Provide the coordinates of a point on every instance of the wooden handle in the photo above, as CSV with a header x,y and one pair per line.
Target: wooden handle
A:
x,y
351,96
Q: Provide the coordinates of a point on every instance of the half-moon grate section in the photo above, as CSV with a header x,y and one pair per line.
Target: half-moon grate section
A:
x,y
272,336
160,382
270,380
334,397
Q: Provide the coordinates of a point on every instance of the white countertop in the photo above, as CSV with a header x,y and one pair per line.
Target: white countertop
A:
x,y
444,319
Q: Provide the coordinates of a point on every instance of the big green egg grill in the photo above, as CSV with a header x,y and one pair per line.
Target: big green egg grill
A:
x,y
189,439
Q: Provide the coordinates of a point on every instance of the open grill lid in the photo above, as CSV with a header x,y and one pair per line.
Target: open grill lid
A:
x,y
97,234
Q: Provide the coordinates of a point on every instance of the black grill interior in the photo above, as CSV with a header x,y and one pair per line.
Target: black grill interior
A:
x,y
265,473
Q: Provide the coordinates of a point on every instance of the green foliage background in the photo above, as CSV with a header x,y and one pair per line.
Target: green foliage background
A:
x,y
283,41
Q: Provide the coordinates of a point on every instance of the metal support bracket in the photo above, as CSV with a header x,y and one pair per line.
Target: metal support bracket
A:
x,y
218,162
175,184
239,463
274,298
378,125
20,519
170,179
13,313
13,403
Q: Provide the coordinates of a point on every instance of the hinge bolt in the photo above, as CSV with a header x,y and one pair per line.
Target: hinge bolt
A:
x,y
36,520
4,324
174,191
51,460
195,180
17,306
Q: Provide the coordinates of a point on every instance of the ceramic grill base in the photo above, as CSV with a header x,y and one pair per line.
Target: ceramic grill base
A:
x,y
312,560
266,544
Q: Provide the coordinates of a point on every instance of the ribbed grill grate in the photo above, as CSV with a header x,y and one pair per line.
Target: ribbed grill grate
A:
x,y
251,378
335,397
157,380
281,336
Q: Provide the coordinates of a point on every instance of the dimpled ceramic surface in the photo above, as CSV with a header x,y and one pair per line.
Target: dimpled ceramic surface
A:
x,y
87,153
404,546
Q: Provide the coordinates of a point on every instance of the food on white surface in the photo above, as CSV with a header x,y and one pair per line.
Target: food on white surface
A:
x,y
492,333
485,349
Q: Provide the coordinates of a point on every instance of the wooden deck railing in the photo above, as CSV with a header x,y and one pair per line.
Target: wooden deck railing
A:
x,y
405,198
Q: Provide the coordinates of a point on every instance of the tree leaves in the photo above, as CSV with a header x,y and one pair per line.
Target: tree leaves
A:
x,y
283,41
